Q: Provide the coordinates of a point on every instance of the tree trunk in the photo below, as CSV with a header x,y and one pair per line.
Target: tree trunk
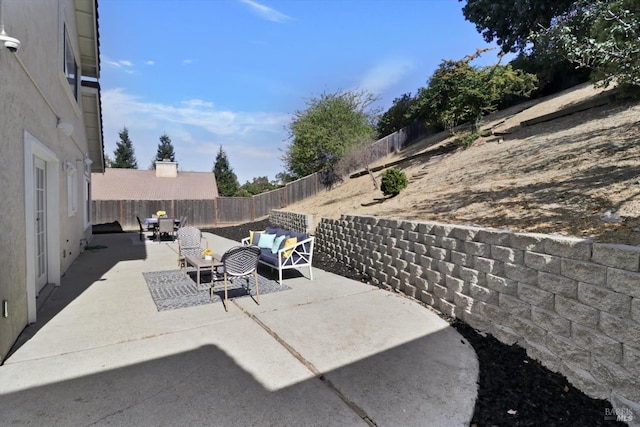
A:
x,y
373,178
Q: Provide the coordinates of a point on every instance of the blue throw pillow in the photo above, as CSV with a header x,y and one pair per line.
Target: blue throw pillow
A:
x,y
277,242
266,241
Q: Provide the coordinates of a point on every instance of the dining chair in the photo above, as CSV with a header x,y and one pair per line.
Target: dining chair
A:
x,y
182,223
240,262
165,226
141,228
189,241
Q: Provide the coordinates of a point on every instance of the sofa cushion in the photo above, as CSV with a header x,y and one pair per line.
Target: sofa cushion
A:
x,y
291,241
266,240
301,237
269,257
277,243
254,236
277,231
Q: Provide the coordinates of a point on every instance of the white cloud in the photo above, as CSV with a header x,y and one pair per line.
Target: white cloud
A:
x,y
150,63
197,103
197,129
385,74
187,61
266,12
121,64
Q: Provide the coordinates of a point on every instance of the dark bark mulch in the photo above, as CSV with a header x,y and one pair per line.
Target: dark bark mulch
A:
x,y
513,389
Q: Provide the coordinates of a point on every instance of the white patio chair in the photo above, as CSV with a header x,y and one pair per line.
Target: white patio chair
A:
x,y
189,241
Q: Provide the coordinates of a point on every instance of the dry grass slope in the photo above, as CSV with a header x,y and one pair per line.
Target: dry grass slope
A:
x,y
558,177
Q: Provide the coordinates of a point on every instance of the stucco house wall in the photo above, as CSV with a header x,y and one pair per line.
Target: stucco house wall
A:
x,y
41,118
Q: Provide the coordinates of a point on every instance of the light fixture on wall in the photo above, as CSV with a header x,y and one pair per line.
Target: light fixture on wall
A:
x,y
10,43
85,159
86,163
69,168
65,127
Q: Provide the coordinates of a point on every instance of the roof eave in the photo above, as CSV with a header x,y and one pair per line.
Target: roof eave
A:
x,y
92,112
86,12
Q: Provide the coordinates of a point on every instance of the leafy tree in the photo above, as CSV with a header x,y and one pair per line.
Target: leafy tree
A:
x,y
459,92
165,151
396,117
124,155
321,133
108,161
602,35
554,73
226,180
358,156
259,185
284,177
511,22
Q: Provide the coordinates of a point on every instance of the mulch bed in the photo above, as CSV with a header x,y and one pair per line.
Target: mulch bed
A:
x,y
513,389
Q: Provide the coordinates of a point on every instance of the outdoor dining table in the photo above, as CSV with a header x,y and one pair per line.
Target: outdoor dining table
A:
x,y
152,223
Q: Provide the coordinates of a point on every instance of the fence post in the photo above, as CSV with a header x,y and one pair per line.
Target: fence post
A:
x,y
286,194
121,209
253,208
215,211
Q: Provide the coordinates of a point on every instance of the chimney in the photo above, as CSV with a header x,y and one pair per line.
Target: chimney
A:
x,y
166,169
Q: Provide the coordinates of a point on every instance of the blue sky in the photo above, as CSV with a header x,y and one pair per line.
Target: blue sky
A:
x,y
232,73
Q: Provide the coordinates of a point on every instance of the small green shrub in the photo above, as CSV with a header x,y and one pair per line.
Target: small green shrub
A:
x,y
466,140
393,181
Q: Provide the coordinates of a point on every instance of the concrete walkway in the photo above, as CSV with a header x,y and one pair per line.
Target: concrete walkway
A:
x,y
328,352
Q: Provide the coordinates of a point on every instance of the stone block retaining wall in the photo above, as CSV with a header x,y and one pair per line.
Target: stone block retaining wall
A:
x,y
573,304
300,223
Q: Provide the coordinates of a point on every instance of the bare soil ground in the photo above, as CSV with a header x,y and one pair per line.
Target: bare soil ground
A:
x,y
577,175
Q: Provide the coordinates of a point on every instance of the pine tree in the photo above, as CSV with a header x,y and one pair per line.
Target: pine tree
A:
x,y
165,151
124,155
226,180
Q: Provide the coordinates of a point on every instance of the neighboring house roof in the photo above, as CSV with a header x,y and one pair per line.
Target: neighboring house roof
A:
x,y
135,184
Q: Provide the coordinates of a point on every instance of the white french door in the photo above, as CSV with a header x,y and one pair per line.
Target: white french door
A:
x,y
40,214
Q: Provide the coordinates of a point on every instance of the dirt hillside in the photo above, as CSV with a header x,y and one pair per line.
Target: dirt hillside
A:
x,y
576,175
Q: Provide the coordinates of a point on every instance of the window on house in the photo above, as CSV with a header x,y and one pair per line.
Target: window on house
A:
x,y
70,65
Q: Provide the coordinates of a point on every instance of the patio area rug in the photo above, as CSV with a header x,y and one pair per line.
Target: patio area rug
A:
x,y
173,289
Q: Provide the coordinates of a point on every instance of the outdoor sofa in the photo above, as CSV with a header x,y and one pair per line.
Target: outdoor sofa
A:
x,y
283,249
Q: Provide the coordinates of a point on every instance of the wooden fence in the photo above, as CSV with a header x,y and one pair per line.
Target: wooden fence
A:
x,y
238,210
206,213
402,139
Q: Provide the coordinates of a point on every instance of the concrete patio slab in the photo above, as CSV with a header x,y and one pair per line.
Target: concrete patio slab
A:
x,y
331,351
